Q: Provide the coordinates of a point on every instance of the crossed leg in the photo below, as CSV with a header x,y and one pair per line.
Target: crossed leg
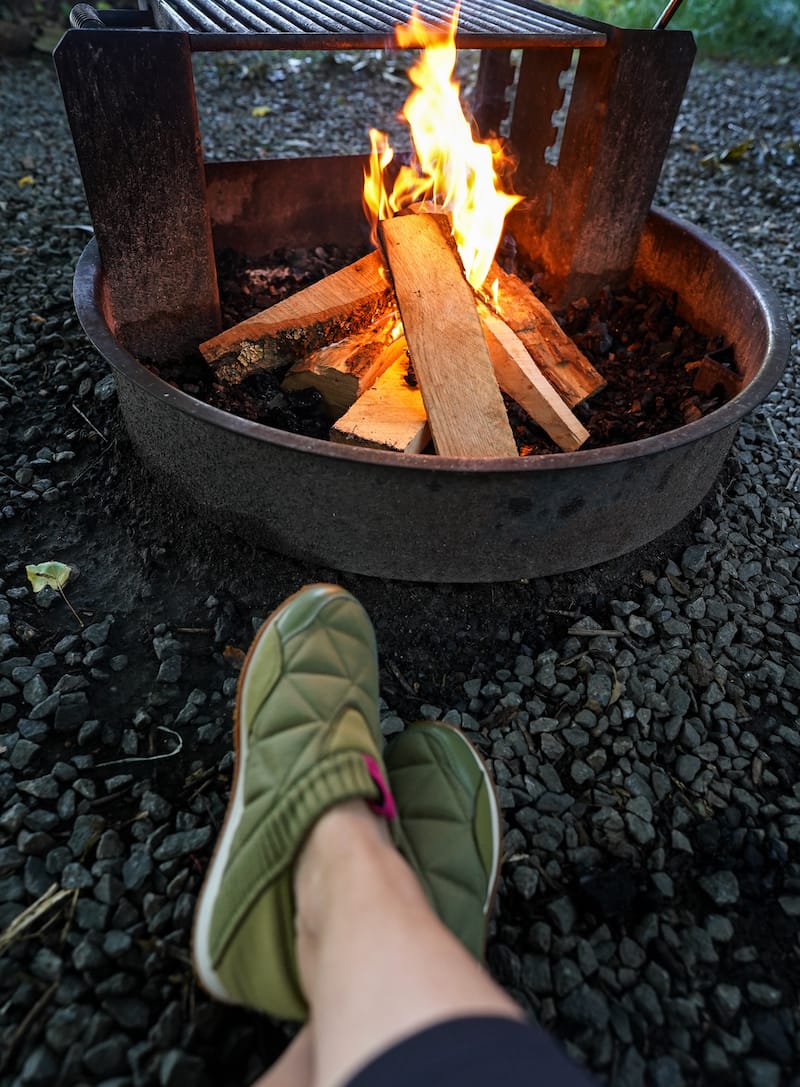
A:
x,y
375,962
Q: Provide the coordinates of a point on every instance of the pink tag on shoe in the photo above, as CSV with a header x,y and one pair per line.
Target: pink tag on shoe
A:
x,y
386,805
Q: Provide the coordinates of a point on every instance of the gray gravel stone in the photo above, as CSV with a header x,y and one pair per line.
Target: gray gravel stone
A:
x,y
179,1069
526,880
721,887
762,1073
562,914
136,870
97,633
40,1069
763,994
586,1007
182,843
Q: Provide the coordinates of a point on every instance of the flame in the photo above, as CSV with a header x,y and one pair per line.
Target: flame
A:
x,y
451,170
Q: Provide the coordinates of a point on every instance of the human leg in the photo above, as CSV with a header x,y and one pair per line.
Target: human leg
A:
x,y
375,961
299,848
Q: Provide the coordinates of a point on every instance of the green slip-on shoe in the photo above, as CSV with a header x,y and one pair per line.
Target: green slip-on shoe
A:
x,y
450,827
307,737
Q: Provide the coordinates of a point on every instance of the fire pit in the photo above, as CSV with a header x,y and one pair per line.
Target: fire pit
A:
x,y
405,515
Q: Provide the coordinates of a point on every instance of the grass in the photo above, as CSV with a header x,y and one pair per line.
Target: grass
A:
x,y
765,32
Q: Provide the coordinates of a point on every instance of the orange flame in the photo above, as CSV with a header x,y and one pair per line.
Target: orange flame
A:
x,y
451,169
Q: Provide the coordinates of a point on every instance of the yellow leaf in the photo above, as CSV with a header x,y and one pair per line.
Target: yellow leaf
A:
x,y
54,574
26,180
260,111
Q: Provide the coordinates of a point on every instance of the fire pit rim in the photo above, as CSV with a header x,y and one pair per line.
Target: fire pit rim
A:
x,y
85,291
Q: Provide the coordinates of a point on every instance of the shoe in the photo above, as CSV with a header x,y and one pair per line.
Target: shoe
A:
x,y
449,825
307,738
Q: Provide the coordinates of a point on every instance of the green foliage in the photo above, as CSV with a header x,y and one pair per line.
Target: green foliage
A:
x,y
757,30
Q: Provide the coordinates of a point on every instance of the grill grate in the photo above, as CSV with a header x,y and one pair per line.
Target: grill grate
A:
x,y
347,24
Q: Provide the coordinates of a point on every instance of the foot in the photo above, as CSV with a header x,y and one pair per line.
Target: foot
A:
x,y
449,825
307,738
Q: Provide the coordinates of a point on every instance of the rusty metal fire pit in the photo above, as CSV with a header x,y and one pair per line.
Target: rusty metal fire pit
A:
x,y
417,517
593,109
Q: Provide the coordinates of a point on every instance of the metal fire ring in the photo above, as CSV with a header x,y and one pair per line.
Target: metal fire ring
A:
x,y
426,518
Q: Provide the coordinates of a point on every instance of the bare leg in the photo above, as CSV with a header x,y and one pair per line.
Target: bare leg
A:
x,y
295,1066
376,963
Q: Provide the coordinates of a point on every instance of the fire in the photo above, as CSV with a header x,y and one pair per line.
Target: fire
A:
x,y
450,169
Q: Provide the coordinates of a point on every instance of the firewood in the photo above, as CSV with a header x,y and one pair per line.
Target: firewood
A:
x,y
338,305
451,361
390,415
521,379
557,356
343,371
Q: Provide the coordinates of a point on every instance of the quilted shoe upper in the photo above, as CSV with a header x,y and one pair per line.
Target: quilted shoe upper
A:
x,y
449,825
306,716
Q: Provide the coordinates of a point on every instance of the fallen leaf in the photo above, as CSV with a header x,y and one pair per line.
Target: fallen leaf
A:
x,y
233,655
26,179
260,111
54,574
738,151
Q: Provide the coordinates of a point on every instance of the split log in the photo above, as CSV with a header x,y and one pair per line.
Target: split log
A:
x,y
390,415
521,379
557,356
451,361
343,371
341,303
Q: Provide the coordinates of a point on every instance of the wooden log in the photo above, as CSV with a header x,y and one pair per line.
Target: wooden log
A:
x,y
343,371
338,305
451,361
521,379
390,415
557,356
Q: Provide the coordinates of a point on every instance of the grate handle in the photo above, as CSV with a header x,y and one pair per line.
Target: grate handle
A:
x,y
664,18
85,17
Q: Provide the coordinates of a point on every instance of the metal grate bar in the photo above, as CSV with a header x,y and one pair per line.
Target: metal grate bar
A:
x,y
372,19
222,15
189,16
285,19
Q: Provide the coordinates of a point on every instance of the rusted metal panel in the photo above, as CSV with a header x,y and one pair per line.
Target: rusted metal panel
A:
x,y
263,204
587,209
129,96
489,101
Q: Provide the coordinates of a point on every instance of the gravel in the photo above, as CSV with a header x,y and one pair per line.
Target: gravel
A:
x,y
650,780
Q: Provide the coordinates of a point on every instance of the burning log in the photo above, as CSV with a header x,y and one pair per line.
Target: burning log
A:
x,y
343,371
390,415
451,361
557,356
343,302
521,379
